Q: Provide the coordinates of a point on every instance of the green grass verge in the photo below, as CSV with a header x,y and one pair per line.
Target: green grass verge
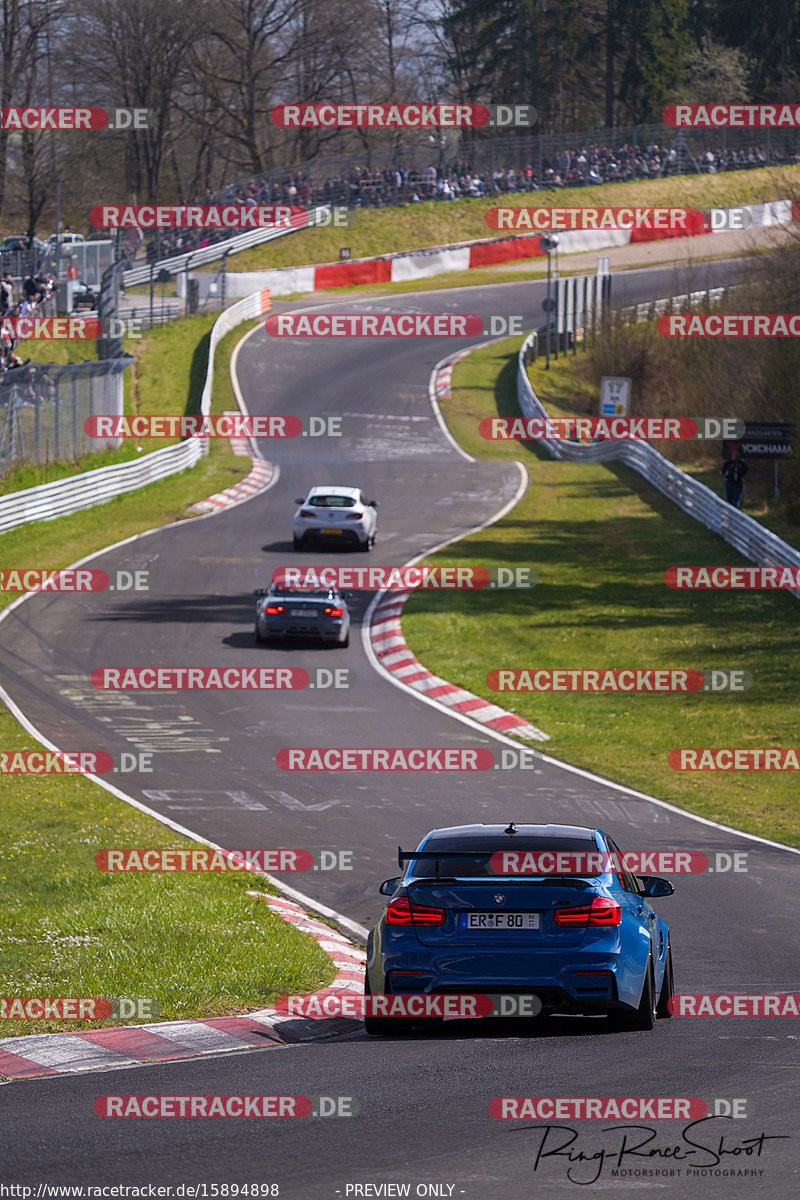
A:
x,y
166,376
600,539
435,223
566,390
194,943
169,376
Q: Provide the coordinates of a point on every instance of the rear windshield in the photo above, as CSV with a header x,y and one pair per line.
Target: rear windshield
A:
x,y
301,594
457,861
332,502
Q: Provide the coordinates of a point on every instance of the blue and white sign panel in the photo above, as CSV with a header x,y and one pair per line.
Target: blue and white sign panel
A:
x,y
614,396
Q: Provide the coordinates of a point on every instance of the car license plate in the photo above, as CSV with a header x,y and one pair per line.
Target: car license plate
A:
x,y
500,920
329,529
301,612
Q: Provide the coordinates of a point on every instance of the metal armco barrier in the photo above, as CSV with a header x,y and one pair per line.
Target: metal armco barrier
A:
x,y
636,313
241,241
744,533
64,496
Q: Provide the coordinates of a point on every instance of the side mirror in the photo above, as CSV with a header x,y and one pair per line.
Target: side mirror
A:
x,y
373,503
260,592
653,887
302,500
389,886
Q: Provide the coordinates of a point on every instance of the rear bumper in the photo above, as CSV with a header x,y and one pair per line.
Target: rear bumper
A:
x,y
576,981
322,631
341,536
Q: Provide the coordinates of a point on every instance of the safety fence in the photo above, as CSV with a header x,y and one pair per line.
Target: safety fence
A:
x,y
43,409
388,167
50,500
88,260
181,264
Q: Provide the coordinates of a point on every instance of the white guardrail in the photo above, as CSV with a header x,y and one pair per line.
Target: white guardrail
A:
x,y
47,501
743,532
241,241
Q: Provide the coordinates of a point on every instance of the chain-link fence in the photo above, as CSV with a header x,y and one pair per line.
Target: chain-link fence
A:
x,y
411,166
87,259
43,409
384,171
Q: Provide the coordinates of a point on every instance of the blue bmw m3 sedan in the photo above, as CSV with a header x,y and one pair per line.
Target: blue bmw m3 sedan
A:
x,y
548,911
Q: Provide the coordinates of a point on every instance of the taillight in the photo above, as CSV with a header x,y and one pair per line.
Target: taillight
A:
x,y
272,610
307,512
333,612
353,516
601,911
402,912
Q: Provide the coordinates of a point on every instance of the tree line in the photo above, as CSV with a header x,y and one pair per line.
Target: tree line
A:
x,y
210,71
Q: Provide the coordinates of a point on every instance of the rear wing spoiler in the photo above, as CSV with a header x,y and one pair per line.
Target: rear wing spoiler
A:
x,y
406,856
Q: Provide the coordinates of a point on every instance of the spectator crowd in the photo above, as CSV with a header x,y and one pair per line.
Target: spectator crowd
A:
x,y
364,187
36,291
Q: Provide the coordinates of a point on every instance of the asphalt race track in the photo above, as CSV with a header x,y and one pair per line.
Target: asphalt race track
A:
x,y
421,1104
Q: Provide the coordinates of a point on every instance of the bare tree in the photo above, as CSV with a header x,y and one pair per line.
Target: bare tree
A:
x,y
23,24
247,47
139,51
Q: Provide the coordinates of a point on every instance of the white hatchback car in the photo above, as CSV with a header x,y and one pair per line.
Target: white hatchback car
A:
x,y
67,239
335,514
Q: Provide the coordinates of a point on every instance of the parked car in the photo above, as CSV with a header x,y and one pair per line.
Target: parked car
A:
x,y
83,296
20,241
66,239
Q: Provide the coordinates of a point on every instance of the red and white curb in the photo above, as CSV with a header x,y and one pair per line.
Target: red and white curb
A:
x,y
444,374
136,1045
392,652
260,478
